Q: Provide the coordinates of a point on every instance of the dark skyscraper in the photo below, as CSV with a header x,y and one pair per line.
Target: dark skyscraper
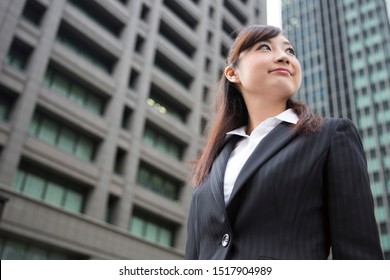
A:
x,y
344,49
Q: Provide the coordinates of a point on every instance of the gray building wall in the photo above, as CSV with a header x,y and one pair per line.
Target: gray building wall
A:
x,y
158,57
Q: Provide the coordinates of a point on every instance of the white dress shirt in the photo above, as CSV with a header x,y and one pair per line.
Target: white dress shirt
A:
x,y
246,146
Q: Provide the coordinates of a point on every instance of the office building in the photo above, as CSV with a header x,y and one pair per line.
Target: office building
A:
x,y
103,106
344,49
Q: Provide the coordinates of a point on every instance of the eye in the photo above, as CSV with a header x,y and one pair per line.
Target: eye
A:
x,y
264,47
290,51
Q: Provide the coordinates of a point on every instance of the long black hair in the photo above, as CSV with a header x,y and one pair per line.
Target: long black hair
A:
x,y
231,110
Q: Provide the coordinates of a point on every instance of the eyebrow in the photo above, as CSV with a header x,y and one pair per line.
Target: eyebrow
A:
x,y
284,42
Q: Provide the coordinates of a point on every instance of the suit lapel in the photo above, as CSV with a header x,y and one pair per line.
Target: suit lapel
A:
x,y
218,169
280,136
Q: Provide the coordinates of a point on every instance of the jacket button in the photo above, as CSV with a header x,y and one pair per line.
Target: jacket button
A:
x,y
225,240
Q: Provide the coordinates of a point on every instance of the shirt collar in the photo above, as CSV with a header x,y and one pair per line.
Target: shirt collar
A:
x,y
286,116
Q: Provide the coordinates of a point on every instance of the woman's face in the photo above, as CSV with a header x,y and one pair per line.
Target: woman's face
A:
x,y
270,68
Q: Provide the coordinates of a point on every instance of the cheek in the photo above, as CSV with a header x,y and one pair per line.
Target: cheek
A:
x,y
298,75
251,80
298,79
252,72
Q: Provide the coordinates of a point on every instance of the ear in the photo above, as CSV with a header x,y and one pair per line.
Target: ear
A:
x,y
231,74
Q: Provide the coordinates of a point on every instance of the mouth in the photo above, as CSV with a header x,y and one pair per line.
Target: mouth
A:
x,y
281,70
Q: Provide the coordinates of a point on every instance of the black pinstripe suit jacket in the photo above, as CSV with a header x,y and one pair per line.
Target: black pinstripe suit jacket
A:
x,y
296,196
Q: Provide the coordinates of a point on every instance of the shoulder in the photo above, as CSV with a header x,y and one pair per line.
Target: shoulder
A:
x,y
338,122
336,128
339,125
342,130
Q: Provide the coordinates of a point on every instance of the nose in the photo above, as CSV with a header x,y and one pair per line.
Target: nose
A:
x,y
282,57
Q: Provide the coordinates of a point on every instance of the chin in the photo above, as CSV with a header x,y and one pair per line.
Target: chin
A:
x,y
285,93
284,87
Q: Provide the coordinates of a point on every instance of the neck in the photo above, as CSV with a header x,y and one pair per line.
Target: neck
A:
x,y
260,111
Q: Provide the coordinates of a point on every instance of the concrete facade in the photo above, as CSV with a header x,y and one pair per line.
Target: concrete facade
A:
x,y
143,63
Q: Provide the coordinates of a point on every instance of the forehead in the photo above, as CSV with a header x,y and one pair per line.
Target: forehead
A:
x,y
279,39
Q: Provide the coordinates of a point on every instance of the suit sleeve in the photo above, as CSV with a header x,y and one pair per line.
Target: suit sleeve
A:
x,y
353,228
191,252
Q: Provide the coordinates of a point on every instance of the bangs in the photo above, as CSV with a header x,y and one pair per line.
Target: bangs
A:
x,y
248,37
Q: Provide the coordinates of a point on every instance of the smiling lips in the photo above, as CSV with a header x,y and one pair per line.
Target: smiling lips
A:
x,y
281,70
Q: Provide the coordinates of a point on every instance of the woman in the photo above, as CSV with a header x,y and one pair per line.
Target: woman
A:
x,y
275,181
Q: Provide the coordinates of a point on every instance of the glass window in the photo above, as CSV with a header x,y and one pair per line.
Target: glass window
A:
x,y
379,76
158,182
137,226
376,188
41,185
18,180
363,101
383,116
111,209
13,250
33,11
126,118
165,237
100,16
386,158
61,85
18,55
62,136
163,143
36,253
169,189
173,70
54,193
151,231
385,242
73,201
94,104
6,104
139,44
145,11
77,95
49,76
174,151
160,100
120,159
48,131
381,214
66,140
84,149
133,79
34,125
86,49
34,186
16,59
143,176
149,136
3,109
373,165
58,256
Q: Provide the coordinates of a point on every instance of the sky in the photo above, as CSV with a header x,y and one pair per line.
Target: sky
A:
x,y
274,13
